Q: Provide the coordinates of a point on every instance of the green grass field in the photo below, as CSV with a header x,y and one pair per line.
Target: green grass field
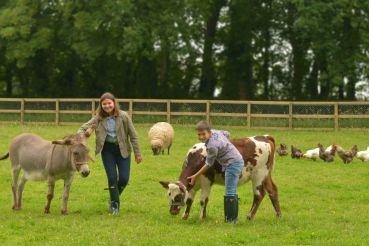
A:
x,y
322,204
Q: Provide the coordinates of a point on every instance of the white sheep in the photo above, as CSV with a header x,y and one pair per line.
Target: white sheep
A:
x,y
161,136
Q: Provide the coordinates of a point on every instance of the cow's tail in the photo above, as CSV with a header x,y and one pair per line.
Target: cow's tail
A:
x,y
3,157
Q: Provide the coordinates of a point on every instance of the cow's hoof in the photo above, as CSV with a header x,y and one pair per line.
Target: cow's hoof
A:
x,y
279,215
185,216
249,217
64,212
16,208
47,211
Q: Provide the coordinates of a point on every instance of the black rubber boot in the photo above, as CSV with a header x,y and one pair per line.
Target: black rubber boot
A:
x,y
230,209
114,200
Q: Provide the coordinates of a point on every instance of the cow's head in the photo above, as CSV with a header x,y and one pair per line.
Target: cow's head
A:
x,y
79,150
177,195
178,191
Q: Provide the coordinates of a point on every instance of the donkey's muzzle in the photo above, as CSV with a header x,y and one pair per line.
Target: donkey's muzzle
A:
x,y
85,173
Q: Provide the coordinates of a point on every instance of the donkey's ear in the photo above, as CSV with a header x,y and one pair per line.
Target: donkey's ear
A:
x,y
90,130
165,184
62,142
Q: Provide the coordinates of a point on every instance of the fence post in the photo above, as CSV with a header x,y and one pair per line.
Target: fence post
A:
x,y
57,111
290,112
130,108
93,106
22,112
336,117
168,111
249,115
208,111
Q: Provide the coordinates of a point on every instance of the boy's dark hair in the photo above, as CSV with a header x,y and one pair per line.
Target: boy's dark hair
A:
x,y
203,125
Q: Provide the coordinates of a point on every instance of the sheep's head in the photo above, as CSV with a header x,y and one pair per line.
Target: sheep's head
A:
x,y
157,147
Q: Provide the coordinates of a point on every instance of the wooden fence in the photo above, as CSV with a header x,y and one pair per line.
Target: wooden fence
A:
x,y
250,114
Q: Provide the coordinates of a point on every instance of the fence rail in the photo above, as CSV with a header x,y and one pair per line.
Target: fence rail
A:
x,y
250,114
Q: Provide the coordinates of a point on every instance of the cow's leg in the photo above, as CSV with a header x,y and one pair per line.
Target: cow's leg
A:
x,y
20,192
205,192
191,196
272,190
259,193
15,177
50,194
67,185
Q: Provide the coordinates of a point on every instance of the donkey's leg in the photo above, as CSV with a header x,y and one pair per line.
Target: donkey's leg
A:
x,y
50,194
272,190
205,192
15,176
67,184
191,196
20,192
259,193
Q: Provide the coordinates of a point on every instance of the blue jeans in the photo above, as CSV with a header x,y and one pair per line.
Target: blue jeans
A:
x,y
112,159
232,176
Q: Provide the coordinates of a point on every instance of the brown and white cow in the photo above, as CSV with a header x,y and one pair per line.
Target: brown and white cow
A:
x,y
258,154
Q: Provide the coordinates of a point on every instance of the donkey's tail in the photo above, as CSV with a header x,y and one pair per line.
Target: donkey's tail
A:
x,y
3,157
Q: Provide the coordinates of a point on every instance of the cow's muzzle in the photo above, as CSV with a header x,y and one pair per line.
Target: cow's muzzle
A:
x,y
174,209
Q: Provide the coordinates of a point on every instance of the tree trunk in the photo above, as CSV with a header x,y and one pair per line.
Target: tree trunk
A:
x,y
238,70
208,77
9,81
313,80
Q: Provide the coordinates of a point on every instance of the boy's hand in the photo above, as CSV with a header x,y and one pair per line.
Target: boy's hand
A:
x,y
192,179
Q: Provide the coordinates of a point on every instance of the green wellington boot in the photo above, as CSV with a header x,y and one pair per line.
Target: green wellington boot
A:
x,y
230,209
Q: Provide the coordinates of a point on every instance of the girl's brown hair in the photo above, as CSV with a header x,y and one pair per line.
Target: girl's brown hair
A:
x,y
100,113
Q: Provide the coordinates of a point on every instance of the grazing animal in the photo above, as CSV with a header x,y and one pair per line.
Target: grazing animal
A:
x,y
258,155
296,152
44,160
282,150
363,155
327,155
161,136
312,154
347,156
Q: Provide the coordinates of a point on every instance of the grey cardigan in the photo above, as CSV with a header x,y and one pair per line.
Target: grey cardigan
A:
x,y
124,129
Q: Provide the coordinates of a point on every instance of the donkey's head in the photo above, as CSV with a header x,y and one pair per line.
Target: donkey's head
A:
x,y
79,150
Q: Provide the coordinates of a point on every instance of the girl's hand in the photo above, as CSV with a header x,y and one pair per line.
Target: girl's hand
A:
x,y
138,159
192,179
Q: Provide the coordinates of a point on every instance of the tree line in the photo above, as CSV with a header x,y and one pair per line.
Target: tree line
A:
x,y
229,49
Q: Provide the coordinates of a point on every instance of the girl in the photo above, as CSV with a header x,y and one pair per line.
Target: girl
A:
x,y
114,134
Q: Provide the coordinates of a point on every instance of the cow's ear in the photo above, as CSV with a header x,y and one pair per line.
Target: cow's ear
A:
x,y
182,188
165,184
62,142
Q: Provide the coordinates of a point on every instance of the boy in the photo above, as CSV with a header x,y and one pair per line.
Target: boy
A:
x,y
220,149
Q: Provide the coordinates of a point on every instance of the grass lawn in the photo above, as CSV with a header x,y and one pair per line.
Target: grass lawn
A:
x,y
322,204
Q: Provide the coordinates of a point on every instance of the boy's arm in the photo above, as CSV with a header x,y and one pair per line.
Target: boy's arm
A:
x,y
210,159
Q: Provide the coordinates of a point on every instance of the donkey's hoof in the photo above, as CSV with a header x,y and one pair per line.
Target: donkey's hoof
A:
x,y
185,216
250,217
16,208
47,211
279,215
64,212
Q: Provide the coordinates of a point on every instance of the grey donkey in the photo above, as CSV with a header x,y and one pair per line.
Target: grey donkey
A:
x,y
47,160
